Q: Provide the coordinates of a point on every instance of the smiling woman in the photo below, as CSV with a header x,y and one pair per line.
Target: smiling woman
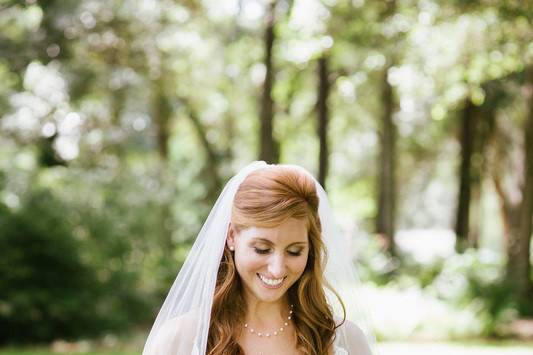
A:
x,y
257,280
278,259
277,251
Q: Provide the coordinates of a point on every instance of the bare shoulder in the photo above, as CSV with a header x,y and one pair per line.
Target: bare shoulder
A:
x,y
175,336
353,339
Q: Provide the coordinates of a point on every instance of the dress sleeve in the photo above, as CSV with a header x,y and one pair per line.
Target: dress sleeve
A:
x,y
352,339
175,337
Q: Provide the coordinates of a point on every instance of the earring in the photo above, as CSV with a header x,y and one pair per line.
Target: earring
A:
x,y
232,248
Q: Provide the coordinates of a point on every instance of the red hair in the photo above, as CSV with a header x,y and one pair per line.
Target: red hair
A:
x,y
265,199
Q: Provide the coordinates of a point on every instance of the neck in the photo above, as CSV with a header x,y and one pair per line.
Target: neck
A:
x,y
268,314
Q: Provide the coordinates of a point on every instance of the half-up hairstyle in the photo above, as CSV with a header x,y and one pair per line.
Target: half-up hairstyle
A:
x,y
267,198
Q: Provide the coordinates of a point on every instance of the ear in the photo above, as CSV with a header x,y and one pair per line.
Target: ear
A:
x,y
230,239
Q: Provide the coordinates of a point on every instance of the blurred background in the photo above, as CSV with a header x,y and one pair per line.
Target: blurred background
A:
x,y
120,122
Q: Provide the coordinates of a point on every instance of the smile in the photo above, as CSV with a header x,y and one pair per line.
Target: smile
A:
x,y
271,283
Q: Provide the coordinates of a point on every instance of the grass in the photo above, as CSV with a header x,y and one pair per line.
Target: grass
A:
x,y
48,352
386,348
466,348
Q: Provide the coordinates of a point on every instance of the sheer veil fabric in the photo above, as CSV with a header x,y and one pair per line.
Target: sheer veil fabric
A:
x,y
182,325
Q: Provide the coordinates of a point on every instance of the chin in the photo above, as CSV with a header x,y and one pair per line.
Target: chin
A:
x,y
269,298
268,294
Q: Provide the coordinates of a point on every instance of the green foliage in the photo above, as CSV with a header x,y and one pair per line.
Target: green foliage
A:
x,y
425,274
477,277
47,288
374,266
473,281
118,130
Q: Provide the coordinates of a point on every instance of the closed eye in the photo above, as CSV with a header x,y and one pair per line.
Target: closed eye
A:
x,y
266,251
261,251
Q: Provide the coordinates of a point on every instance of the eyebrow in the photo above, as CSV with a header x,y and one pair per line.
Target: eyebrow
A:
x,y
270,242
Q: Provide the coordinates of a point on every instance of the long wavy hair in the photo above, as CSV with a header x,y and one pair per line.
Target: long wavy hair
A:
x,y
266,199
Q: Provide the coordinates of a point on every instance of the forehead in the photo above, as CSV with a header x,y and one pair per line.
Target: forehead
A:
x,y
291,231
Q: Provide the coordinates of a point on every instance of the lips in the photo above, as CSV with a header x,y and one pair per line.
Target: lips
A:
x,y
271,283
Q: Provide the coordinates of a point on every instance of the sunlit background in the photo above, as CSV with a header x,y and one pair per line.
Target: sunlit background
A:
x,y
120,122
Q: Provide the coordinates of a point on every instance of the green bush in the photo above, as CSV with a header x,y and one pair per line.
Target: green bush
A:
x,y
473,281
48,289
477,277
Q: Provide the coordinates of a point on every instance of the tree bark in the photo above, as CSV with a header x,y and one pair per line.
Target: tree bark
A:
x,y
161,116
268,147
468,132
115,141
162,112
517,212
323,118
385,221
212,155
518,248
485,125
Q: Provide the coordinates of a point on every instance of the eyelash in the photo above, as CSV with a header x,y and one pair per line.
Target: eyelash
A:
x,y
266,251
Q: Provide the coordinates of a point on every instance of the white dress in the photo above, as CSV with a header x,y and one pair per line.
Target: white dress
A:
x,y
349,340
336,351
339,351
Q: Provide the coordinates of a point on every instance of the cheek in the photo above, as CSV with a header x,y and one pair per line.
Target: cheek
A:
x,y
247,263
298,266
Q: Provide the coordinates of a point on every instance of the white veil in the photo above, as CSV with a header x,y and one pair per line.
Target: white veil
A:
x,y
182,325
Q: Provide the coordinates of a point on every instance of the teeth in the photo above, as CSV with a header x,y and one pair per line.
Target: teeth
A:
x,y
271,282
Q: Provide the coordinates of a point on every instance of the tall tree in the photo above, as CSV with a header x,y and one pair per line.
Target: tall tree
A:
x,y
268,147
213,156
519,241
468,131
323,117
477,128
516,201
485,129
162,112
385,220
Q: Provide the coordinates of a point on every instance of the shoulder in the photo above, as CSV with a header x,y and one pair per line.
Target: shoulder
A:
x,y
352,329
184,322
182,325
175,336
353,339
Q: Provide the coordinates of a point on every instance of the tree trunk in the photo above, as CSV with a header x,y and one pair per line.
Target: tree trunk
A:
x,y
486,128
468,132
162,112
518,248
114,137
212,155
323,118
385,222
268,148
476,215
161,115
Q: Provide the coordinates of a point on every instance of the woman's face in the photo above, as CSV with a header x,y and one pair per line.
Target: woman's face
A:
x,y
270,260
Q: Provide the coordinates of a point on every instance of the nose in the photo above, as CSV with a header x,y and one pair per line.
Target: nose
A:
x,y
276,266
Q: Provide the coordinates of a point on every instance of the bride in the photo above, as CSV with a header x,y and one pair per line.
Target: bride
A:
x,y
258,280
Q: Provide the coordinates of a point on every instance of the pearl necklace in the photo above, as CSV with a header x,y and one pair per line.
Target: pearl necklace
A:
x,y
275,333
